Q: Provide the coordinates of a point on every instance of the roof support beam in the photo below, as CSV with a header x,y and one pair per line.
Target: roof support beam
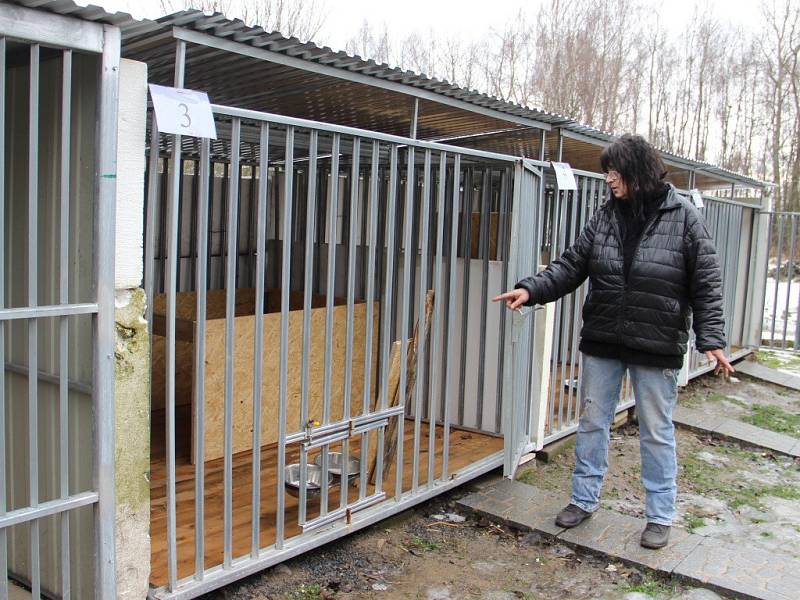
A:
x,y
543,146
587,139
414,118
582,138
205,39
685,165
17,22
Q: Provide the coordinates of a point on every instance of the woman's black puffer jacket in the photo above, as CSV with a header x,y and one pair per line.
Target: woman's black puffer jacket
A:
x,y
675,274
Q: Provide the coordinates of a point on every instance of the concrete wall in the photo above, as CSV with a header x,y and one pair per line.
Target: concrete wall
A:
x,y
132,351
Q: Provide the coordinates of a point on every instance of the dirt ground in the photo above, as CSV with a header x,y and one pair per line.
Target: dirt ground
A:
x,y
433,553
429,553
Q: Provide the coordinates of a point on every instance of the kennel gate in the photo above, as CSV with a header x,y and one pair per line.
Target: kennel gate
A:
x,y
351,354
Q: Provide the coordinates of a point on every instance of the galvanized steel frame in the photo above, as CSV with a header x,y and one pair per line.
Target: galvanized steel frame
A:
x,y
520,325
570,210
217,577
66,34
726,226
783,226
448,192
725,219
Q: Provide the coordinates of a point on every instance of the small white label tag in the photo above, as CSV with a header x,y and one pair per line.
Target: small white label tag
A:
x,y
184,112
697,198
565,178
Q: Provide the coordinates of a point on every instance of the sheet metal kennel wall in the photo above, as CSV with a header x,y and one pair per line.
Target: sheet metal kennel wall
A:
x,y
58,84
352,354
733,227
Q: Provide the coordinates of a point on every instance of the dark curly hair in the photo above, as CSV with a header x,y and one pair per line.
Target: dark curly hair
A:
x,y
638,163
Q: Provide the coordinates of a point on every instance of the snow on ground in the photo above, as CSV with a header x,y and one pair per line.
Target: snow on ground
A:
x,y
775,310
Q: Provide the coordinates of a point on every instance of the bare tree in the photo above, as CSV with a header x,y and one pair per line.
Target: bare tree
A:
x,y
293,18
779,47
707,91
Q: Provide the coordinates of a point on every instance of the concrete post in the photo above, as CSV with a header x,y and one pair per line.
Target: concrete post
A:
x,y
132,349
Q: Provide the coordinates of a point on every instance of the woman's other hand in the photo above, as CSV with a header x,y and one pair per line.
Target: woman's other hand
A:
x,y
513,299
722,362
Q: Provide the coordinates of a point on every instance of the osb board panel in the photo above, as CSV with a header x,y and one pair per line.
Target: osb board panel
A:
x,y
185,312
270,388
184,359
245,298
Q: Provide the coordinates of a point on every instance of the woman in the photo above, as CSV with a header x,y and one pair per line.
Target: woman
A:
x,y
652,267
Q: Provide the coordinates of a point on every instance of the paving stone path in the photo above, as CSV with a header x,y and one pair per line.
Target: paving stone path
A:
x,y
730,568
754,369
732,429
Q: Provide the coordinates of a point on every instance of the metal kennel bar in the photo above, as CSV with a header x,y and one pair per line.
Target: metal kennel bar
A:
x,y
379,222
566,214
57,498
726,222
519,389
780,326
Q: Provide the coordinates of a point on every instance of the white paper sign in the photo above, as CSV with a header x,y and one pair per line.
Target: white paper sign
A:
x,y
185,112
565,178
697,198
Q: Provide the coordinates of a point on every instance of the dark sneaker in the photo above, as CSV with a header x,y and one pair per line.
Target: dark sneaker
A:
x,y
571,515
655,536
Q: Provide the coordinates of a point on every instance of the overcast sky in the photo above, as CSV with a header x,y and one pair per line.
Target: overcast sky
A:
x,y
466,18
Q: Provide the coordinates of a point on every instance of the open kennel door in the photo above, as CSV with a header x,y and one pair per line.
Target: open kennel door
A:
x,y
519,346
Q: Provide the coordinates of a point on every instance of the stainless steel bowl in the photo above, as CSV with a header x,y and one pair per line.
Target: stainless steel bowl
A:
x,y
335,464
313,479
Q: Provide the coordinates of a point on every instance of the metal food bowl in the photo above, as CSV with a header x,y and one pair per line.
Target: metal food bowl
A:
x,y
313,479
335,465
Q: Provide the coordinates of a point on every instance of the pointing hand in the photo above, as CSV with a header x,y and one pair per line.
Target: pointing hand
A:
x,y
513,299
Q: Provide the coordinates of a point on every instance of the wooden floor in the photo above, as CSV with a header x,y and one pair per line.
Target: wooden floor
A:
x,y
465,448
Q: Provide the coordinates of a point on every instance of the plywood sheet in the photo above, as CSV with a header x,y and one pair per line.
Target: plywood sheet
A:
x,y
186,312
184,359
270,389
245,299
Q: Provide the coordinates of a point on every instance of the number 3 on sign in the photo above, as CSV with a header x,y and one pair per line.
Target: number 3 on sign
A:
x,y
185,115
184,112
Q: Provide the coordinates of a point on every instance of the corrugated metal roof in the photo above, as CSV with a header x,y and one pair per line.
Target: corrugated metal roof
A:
x,y
604,137
127,24
237,31
147,40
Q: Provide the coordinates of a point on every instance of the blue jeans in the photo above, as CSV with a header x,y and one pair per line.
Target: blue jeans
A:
x,y
656,391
